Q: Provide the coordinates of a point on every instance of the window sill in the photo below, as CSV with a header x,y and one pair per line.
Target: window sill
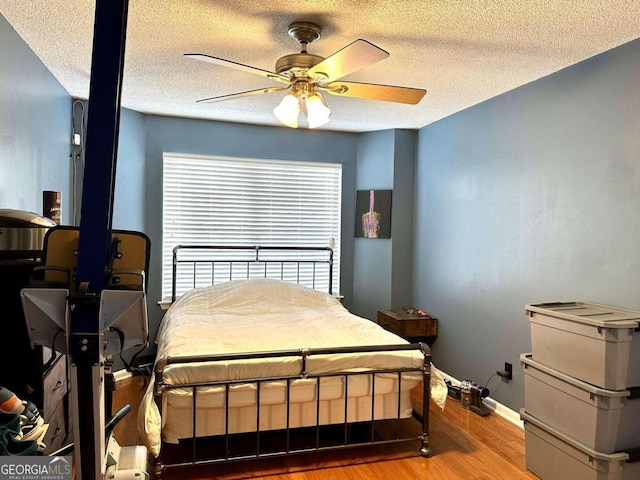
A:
x,y
164,304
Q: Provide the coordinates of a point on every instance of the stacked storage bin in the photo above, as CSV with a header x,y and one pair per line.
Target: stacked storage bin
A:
x,y
582,392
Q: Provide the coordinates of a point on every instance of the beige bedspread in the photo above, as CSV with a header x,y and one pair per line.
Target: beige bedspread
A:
x,y
263,315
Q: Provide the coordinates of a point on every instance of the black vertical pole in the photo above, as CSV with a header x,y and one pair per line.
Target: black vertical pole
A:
x,y
94,249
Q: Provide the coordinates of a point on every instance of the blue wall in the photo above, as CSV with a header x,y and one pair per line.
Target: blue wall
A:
x,y
533,196
402,241
35,126
372,257
382,267
128,205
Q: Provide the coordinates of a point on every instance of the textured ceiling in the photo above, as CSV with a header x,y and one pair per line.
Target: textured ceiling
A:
x,y
462,52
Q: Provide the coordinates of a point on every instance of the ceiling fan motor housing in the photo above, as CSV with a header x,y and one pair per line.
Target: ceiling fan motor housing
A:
x,y
297,62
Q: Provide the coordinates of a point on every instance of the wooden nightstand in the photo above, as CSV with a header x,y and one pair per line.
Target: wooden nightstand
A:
x,y
411,326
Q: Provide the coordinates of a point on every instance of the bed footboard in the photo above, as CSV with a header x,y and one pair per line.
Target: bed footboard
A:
x,y
363,421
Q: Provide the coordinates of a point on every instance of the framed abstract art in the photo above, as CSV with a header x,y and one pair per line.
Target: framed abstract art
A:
x,y
373,213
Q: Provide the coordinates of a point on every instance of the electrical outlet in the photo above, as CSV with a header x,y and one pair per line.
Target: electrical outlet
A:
x,y
509,369
507,372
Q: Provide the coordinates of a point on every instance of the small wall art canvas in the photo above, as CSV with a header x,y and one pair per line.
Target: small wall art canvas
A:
x,y
373,213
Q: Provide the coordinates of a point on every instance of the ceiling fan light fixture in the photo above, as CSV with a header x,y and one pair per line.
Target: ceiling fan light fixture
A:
x,y
288,110
316,111
304,73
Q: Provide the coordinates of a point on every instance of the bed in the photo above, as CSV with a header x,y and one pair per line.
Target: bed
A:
x,y
260,363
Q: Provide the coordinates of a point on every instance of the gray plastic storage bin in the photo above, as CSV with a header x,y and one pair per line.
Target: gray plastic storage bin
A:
x,y
604,420
551,455
597,344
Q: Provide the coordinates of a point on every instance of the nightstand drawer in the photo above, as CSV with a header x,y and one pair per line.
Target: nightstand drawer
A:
x,y
409,326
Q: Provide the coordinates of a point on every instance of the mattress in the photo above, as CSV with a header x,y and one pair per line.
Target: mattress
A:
x,y
244,418
261,315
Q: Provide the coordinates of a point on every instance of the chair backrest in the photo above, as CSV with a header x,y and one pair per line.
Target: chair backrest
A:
x,y
128,269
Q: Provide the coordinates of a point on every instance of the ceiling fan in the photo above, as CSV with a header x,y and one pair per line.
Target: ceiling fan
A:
x,y
306,75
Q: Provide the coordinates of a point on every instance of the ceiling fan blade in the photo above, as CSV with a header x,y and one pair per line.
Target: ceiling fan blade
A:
x,y
349,59
387,93
249,93
239,66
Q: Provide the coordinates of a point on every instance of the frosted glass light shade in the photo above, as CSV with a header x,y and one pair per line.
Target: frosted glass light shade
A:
x,y
317,111
288,110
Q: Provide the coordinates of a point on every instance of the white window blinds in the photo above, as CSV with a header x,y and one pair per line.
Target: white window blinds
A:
x,y
236,201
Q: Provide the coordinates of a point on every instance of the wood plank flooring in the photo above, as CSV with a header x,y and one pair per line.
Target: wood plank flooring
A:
x,y
464,446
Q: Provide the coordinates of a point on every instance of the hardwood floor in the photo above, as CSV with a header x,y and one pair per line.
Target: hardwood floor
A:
x,y
464,446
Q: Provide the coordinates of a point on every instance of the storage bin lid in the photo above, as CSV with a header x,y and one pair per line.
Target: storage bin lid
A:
x,y
527,361
589,313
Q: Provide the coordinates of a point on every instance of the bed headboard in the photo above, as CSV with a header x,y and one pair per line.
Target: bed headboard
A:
x,y
204,265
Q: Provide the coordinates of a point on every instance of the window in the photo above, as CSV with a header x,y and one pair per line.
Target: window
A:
x,y
236,201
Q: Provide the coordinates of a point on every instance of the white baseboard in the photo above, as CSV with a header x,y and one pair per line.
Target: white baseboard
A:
x,y
497,408
503,411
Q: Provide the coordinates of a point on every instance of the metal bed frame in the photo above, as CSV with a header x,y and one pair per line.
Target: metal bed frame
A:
x,y
252,256
228,447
